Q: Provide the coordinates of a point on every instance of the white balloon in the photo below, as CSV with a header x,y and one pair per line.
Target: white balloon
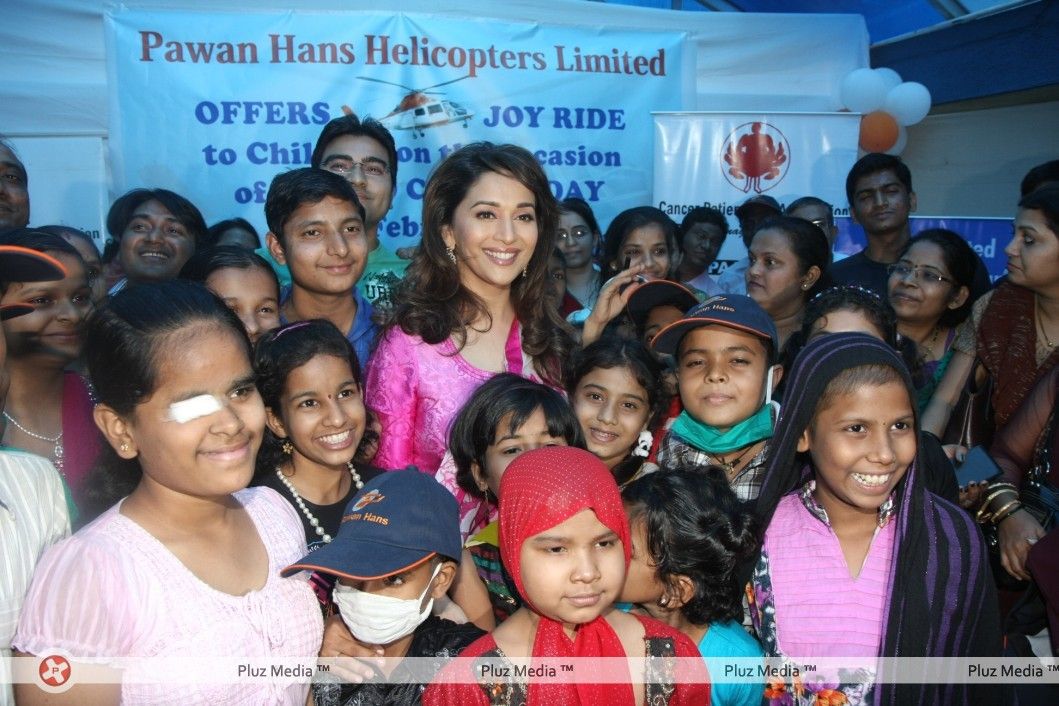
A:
x,y
908,103
902,140
891,77
863,91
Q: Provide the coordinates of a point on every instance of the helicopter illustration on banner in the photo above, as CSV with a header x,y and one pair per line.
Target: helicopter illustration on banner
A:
x,y
419,110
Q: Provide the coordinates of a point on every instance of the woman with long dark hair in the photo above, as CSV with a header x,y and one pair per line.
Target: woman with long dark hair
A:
x,y
472,303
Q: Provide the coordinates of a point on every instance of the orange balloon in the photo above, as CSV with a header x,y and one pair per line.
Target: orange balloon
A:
x,y
878,131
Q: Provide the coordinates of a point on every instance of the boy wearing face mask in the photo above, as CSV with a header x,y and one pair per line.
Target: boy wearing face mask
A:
x,y
726,355
394,555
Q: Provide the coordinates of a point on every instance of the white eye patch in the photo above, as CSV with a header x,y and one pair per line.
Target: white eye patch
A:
x,y
194,408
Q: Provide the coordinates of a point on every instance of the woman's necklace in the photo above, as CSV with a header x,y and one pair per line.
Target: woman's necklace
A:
x,y
1040,325
928,347
729,466
57,454
315,523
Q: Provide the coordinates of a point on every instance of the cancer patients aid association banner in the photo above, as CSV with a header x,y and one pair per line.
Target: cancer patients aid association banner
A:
x,y
214,105
723,159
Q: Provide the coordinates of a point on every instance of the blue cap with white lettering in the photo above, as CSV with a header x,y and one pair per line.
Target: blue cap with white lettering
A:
x,y
397,521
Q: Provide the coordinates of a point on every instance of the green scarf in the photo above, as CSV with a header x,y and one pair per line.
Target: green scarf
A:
x,y
754,428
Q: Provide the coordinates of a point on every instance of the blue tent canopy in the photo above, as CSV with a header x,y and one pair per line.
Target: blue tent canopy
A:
x,y
960,49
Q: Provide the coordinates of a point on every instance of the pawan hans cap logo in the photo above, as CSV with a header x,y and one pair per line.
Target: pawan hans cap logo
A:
x,y
754,153
369,498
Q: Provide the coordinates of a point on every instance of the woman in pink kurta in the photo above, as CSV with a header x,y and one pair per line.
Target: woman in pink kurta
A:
x,y
416,389
480,270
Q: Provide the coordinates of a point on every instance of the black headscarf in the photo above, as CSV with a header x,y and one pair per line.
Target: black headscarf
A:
x,y
942,602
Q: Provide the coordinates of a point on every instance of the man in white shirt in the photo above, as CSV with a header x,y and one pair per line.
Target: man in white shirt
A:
x,y
33,512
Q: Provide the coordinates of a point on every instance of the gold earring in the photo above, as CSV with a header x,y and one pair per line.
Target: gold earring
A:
x,y
124,448
288,447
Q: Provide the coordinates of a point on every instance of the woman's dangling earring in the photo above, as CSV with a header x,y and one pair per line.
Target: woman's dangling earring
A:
x,y
643,444
523,273
451,252
288,447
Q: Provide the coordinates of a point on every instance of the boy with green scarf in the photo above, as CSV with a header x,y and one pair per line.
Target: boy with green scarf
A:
x,y
725,350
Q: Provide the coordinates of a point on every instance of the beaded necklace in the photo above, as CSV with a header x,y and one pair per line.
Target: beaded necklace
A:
x,y
300,503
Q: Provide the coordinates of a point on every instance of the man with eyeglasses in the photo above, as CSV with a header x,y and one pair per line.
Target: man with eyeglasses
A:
x,y
363,152
822,215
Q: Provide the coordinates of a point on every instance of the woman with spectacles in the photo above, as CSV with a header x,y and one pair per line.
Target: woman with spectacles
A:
x,y
578,239
930,289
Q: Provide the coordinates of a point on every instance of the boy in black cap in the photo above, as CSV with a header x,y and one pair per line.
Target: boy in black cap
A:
x,y
395,553
726,373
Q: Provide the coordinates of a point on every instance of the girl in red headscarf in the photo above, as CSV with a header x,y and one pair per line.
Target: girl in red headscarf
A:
x,y
564,539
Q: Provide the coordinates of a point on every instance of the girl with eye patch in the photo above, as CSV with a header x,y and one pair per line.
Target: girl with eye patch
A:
x,y
186,561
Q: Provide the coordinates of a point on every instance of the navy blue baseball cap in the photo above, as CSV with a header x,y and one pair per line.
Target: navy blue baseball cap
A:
x,y
731,310
658,292
397,521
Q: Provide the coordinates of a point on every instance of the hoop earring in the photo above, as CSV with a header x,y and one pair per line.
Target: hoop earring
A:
x,y
451,252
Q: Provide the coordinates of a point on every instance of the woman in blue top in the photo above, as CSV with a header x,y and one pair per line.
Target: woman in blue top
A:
x,y
689,532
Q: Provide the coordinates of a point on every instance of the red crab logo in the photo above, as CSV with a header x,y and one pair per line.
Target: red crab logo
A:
x,y
755,152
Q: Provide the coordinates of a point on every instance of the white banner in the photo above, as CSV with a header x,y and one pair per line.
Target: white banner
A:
x,y
722,159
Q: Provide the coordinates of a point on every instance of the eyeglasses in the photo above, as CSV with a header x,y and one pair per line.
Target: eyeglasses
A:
x,y
577,234
919,273
370,167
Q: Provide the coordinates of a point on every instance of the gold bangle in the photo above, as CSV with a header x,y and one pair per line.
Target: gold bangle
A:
x,y
983,515
1001,514
999,493
999,517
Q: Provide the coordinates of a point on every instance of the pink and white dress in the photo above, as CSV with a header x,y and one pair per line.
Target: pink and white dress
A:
x,y
113,592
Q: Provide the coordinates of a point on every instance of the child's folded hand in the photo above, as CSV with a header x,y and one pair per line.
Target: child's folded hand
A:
x,y
339,642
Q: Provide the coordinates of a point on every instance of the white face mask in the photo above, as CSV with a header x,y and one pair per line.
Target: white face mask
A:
x,y
380,620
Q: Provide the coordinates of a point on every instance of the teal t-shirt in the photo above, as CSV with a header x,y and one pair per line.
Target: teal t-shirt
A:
x,y
382,272
721,641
